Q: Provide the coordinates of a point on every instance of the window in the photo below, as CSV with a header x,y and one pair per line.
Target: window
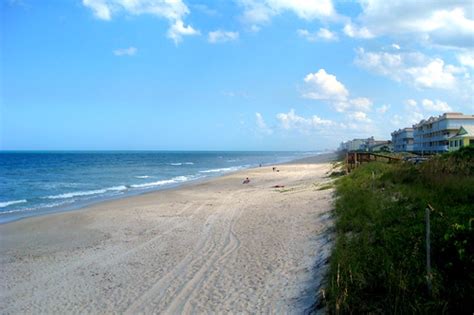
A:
x,y
451,144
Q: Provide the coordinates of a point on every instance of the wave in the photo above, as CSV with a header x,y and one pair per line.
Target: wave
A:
x,y
9,203
180,163
143,176
178,179
222,170
40,206
86,193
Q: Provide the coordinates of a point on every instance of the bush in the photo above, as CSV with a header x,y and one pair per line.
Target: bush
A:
x,y
378,263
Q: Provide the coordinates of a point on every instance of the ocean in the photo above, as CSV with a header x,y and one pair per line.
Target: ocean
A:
x,y
34,183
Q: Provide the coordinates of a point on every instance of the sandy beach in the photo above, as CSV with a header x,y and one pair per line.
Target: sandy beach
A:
x,y
216,246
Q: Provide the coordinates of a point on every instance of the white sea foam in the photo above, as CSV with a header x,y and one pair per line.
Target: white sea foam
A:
x,y
176,164
9,203
86,193
189,163
174,180
222,170
118,188
143,176
40,206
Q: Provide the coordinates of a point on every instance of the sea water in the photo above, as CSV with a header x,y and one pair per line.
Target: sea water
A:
x,y
33,183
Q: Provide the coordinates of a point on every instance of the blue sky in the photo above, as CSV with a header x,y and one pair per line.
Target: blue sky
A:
x,y
227,75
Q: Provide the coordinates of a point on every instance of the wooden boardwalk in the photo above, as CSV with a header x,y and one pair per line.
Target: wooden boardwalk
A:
x,y
354,159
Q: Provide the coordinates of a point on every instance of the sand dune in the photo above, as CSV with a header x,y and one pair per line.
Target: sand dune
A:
x,y
217,246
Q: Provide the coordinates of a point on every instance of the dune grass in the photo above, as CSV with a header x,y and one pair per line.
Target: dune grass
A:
x,y
379,260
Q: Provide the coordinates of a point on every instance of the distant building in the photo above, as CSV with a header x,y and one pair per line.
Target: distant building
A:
x,y
432,135
463,138
402,140
354,145
381,146
368,144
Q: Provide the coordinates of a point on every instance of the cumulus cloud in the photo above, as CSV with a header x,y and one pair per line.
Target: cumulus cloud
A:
x,y
323,34
178,30
291,120
324,86
130,51
174,11
414,67
262,126
443,23
362,104
259,12
352,30
220,36
435,105
359,116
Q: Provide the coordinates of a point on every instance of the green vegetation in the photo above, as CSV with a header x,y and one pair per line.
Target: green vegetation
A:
x,y
378,264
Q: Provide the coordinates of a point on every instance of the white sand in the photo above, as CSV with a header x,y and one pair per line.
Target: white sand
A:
x,y
217,246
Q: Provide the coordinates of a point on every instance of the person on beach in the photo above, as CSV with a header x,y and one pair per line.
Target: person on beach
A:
x,y
246,181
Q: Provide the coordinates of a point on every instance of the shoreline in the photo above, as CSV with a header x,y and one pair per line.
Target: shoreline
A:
x,y
320,158
217,245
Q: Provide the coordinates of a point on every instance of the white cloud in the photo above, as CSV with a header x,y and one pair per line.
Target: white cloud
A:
x,y
100,8
172,10
291,120
130,51
323,34
435,106
362,103
352,30
383,109
416,68
466,59
396,46
258,12
444,23
178,30
220,36
411,103
262,126
324,86
359,116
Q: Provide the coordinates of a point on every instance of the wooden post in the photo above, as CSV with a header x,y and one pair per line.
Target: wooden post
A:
x,y
428,248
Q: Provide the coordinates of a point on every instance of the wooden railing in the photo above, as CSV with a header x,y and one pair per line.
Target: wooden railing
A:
x,y
354,159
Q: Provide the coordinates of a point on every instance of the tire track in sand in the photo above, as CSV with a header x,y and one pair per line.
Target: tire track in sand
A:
x,y
167,286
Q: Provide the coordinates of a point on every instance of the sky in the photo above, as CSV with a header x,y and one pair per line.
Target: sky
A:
x,y
227,74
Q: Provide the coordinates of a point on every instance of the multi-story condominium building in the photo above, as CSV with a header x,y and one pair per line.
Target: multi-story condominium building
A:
x,y
431,135
402,140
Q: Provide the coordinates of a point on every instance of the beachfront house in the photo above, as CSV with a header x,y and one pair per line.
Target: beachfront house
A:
x,y
381,146
463,138
402,140
432,135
